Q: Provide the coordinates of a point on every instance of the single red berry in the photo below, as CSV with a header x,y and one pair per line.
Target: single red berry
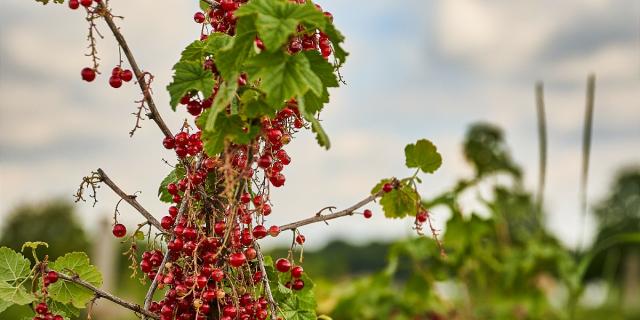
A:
x,y
367,213
259,44
283,265
266,209
250,253
297,285
116,71
198,17
166,222
115,82
259,231
264,161
237,259
126,75
86,3
422,217
201,281
74,4
119,230
169,143
296,272
52,277
300,239
274,231
387,187
42,308
88,74
274,136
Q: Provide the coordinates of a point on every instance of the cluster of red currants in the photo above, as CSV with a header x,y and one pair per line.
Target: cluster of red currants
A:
x,y
42,309
75,4
118,75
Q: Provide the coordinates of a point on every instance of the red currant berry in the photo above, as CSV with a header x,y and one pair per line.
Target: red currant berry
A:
x,y
42,308
283,265
387,187
237,259
300,239
115,82
297,285
52,277
422,217
198,17
74,4
169,143
126,75
119,230
86,3
88,74
274,231
367,213
296,272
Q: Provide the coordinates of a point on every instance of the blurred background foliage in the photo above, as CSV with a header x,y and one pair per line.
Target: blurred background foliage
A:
x,y
501,262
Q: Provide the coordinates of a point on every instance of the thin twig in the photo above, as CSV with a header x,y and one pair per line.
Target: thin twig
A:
x,y
130,199
265,279
140,76
103,294
323,218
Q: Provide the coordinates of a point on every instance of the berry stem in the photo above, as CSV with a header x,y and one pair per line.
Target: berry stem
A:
x,y
318,217
146,90
103,294
130,199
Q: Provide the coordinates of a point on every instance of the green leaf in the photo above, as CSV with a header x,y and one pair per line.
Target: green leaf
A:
x,y
66,310
230,59
77,264
399,202
13,266
4,305
284,76
174,176
230,128
225,95
15,294
321,135
190,76
198,49
424,155
252,105
336,39
204,6
276,21
297,305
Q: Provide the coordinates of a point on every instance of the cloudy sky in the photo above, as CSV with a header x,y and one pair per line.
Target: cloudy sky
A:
x,y
417,69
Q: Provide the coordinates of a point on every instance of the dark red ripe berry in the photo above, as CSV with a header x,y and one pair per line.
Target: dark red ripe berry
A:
x,y
259,44
297,285
283,265
274,136
52,277
126,75
201,281
300,239
274,231
266,209
198,17
296,272
116,71
217,275
251,253
86,3
87,73
169,143
422,217
228,5
367,213
387,187
42,308
58,317
194,108
115,82
166,222
259,232
277,180
237,259
74,4
119,230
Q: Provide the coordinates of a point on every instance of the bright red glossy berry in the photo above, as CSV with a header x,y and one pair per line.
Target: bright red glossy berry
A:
x,y
274,231
297,271
198,17
88,74
297,284
126,75
283,265
367,213
237,259
52,277
42,308
74,4
115,82
259,231
166,222
86,3
169,143
300,239
387,187
119,230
